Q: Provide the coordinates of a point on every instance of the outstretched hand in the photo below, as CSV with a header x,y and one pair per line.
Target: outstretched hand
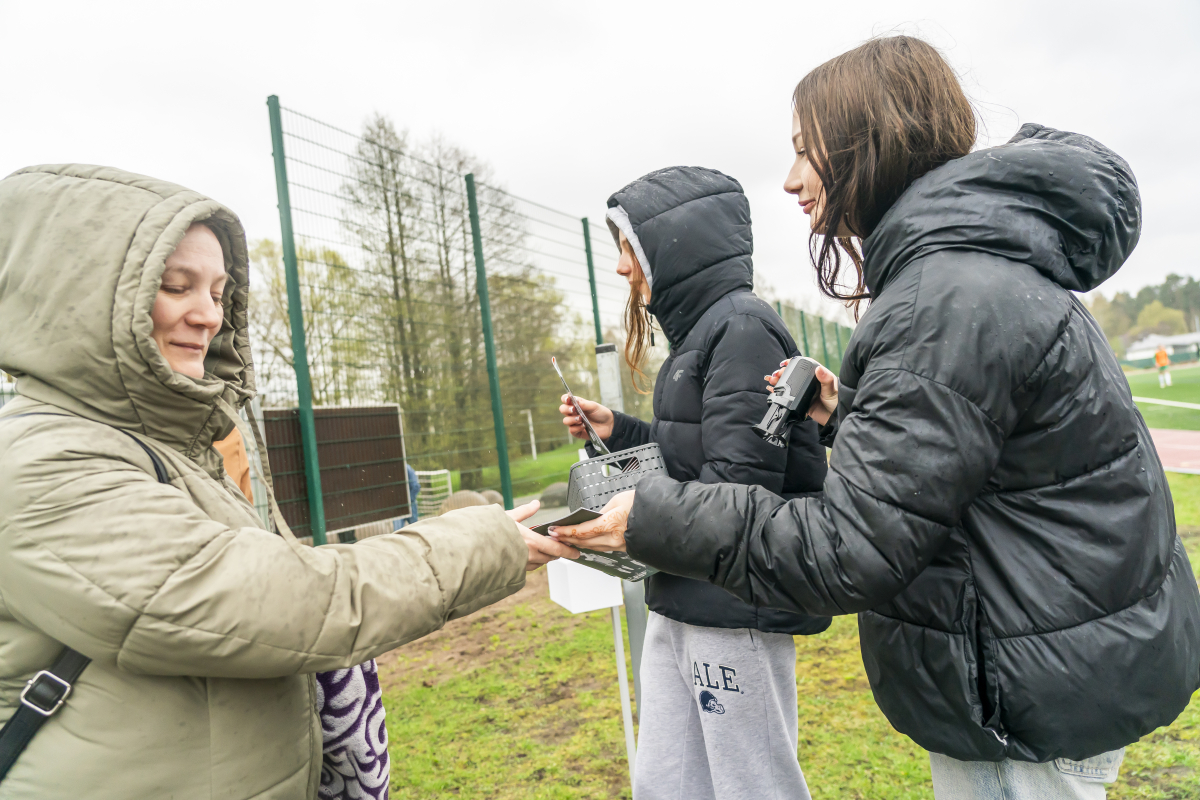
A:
x,y
606,533
542,549
826,403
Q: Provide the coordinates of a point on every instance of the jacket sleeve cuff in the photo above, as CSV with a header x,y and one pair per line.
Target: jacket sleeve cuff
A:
x,y
827,432
628,431
655,531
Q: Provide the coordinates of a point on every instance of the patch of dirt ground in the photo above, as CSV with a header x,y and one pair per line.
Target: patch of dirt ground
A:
x,y
503,630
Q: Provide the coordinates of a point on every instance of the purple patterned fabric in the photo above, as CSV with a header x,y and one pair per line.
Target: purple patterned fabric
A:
x,y
356,757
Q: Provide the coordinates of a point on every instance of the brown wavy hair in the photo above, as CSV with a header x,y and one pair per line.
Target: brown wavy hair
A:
x,y
875,119
639,327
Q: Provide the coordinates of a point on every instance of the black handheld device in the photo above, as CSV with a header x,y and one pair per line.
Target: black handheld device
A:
x,y
790,400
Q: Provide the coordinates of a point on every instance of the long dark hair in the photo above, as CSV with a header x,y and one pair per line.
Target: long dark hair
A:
x,y
875,119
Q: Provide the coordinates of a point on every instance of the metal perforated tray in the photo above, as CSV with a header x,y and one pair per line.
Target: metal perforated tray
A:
x,y
593,482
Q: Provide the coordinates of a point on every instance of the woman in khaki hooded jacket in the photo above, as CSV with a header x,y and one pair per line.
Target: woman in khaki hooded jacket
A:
x,y
203,628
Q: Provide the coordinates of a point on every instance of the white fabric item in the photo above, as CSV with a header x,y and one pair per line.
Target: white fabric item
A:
x,y
618,220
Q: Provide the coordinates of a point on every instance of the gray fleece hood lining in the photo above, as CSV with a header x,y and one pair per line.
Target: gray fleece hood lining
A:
x,y
618,222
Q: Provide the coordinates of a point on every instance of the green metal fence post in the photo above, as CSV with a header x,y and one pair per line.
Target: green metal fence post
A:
x,y
824,346
489,344
837,333
587,246
804,334
308,430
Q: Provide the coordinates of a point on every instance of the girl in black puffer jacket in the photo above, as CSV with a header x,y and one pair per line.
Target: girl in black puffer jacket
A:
x,y
718,716
995,511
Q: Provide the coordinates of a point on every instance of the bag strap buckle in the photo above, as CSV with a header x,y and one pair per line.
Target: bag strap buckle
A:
x,y
45,693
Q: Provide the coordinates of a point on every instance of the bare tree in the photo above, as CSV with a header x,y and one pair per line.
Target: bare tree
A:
x,y
391,311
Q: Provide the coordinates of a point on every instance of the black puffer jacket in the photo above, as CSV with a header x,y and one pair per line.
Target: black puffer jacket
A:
x,y
995,508
693,226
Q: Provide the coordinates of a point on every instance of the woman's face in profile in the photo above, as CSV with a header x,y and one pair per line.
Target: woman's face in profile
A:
x,y
804,182
188,310
802,179
629,269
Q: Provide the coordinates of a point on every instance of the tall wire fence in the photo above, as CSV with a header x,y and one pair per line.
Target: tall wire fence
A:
x,y
389,293
816,336
391,310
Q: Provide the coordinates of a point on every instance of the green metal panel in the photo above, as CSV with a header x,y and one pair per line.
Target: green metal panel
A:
x,y
308,432
824,345
489,344
837,332
804,335
587,246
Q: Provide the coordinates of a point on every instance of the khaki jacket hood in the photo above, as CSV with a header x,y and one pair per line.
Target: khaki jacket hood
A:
x,y
82,252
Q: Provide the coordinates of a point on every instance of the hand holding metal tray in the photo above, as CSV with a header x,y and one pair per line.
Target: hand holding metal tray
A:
x,y
594,481
619,565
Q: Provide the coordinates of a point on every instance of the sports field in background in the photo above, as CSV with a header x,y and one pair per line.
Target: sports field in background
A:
x,y
1185,389
520,701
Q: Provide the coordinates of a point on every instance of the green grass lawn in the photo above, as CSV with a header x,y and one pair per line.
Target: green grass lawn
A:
x,y
520,701
529,476
1185,389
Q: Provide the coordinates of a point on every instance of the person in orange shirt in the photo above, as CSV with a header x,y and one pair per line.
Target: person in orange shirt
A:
x,y
1163,362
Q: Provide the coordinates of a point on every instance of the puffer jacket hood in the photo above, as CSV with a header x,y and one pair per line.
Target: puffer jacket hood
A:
x,y
79,273
693,224
1058,201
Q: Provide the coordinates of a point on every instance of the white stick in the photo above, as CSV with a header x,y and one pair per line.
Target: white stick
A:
x,y
623,683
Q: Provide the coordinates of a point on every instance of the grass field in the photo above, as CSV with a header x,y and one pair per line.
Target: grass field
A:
x,y
520,701
1185,389
529,476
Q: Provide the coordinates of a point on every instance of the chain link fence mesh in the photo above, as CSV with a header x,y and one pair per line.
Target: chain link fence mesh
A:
x,y
391,308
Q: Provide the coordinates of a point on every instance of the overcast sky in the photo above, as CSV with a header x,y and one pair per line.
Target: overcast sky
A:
x,y
570,101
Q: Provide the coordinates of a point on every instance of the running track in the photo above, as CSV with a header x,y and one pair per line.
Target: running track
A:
x,y
1178,450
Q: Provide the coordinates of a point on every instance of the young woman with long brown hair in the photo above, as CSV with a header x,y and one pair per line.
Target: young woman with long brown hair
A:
x,y
995,511
718,715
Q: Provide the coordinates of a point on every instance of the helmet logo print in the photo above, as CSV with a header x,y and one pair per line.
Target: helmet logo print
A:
x,y
708,703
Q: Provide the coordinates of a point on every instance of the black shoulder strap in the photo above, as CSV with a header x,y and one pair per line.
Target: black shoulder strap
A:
x,y
41,698
46,692
160,469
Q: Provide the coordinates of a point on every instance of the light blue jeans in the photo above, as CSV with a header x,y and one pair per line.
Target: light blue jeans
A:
x,y
1060,779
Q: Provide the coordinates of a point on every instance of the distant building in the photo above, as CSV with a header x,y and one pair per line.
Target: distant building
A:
x,y
1180,346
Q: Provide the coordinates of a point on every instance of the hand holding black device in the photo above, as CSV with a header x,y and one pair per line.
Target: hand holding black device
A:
x,y
790,400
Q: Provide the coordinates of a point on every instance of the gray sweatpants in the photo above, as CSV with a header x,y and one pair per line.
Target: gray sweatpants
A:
x,y
718,719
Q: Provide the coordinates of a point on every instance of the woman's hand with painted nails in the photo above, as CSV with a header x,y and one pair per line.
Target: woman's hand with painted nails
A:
x,y
606,533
